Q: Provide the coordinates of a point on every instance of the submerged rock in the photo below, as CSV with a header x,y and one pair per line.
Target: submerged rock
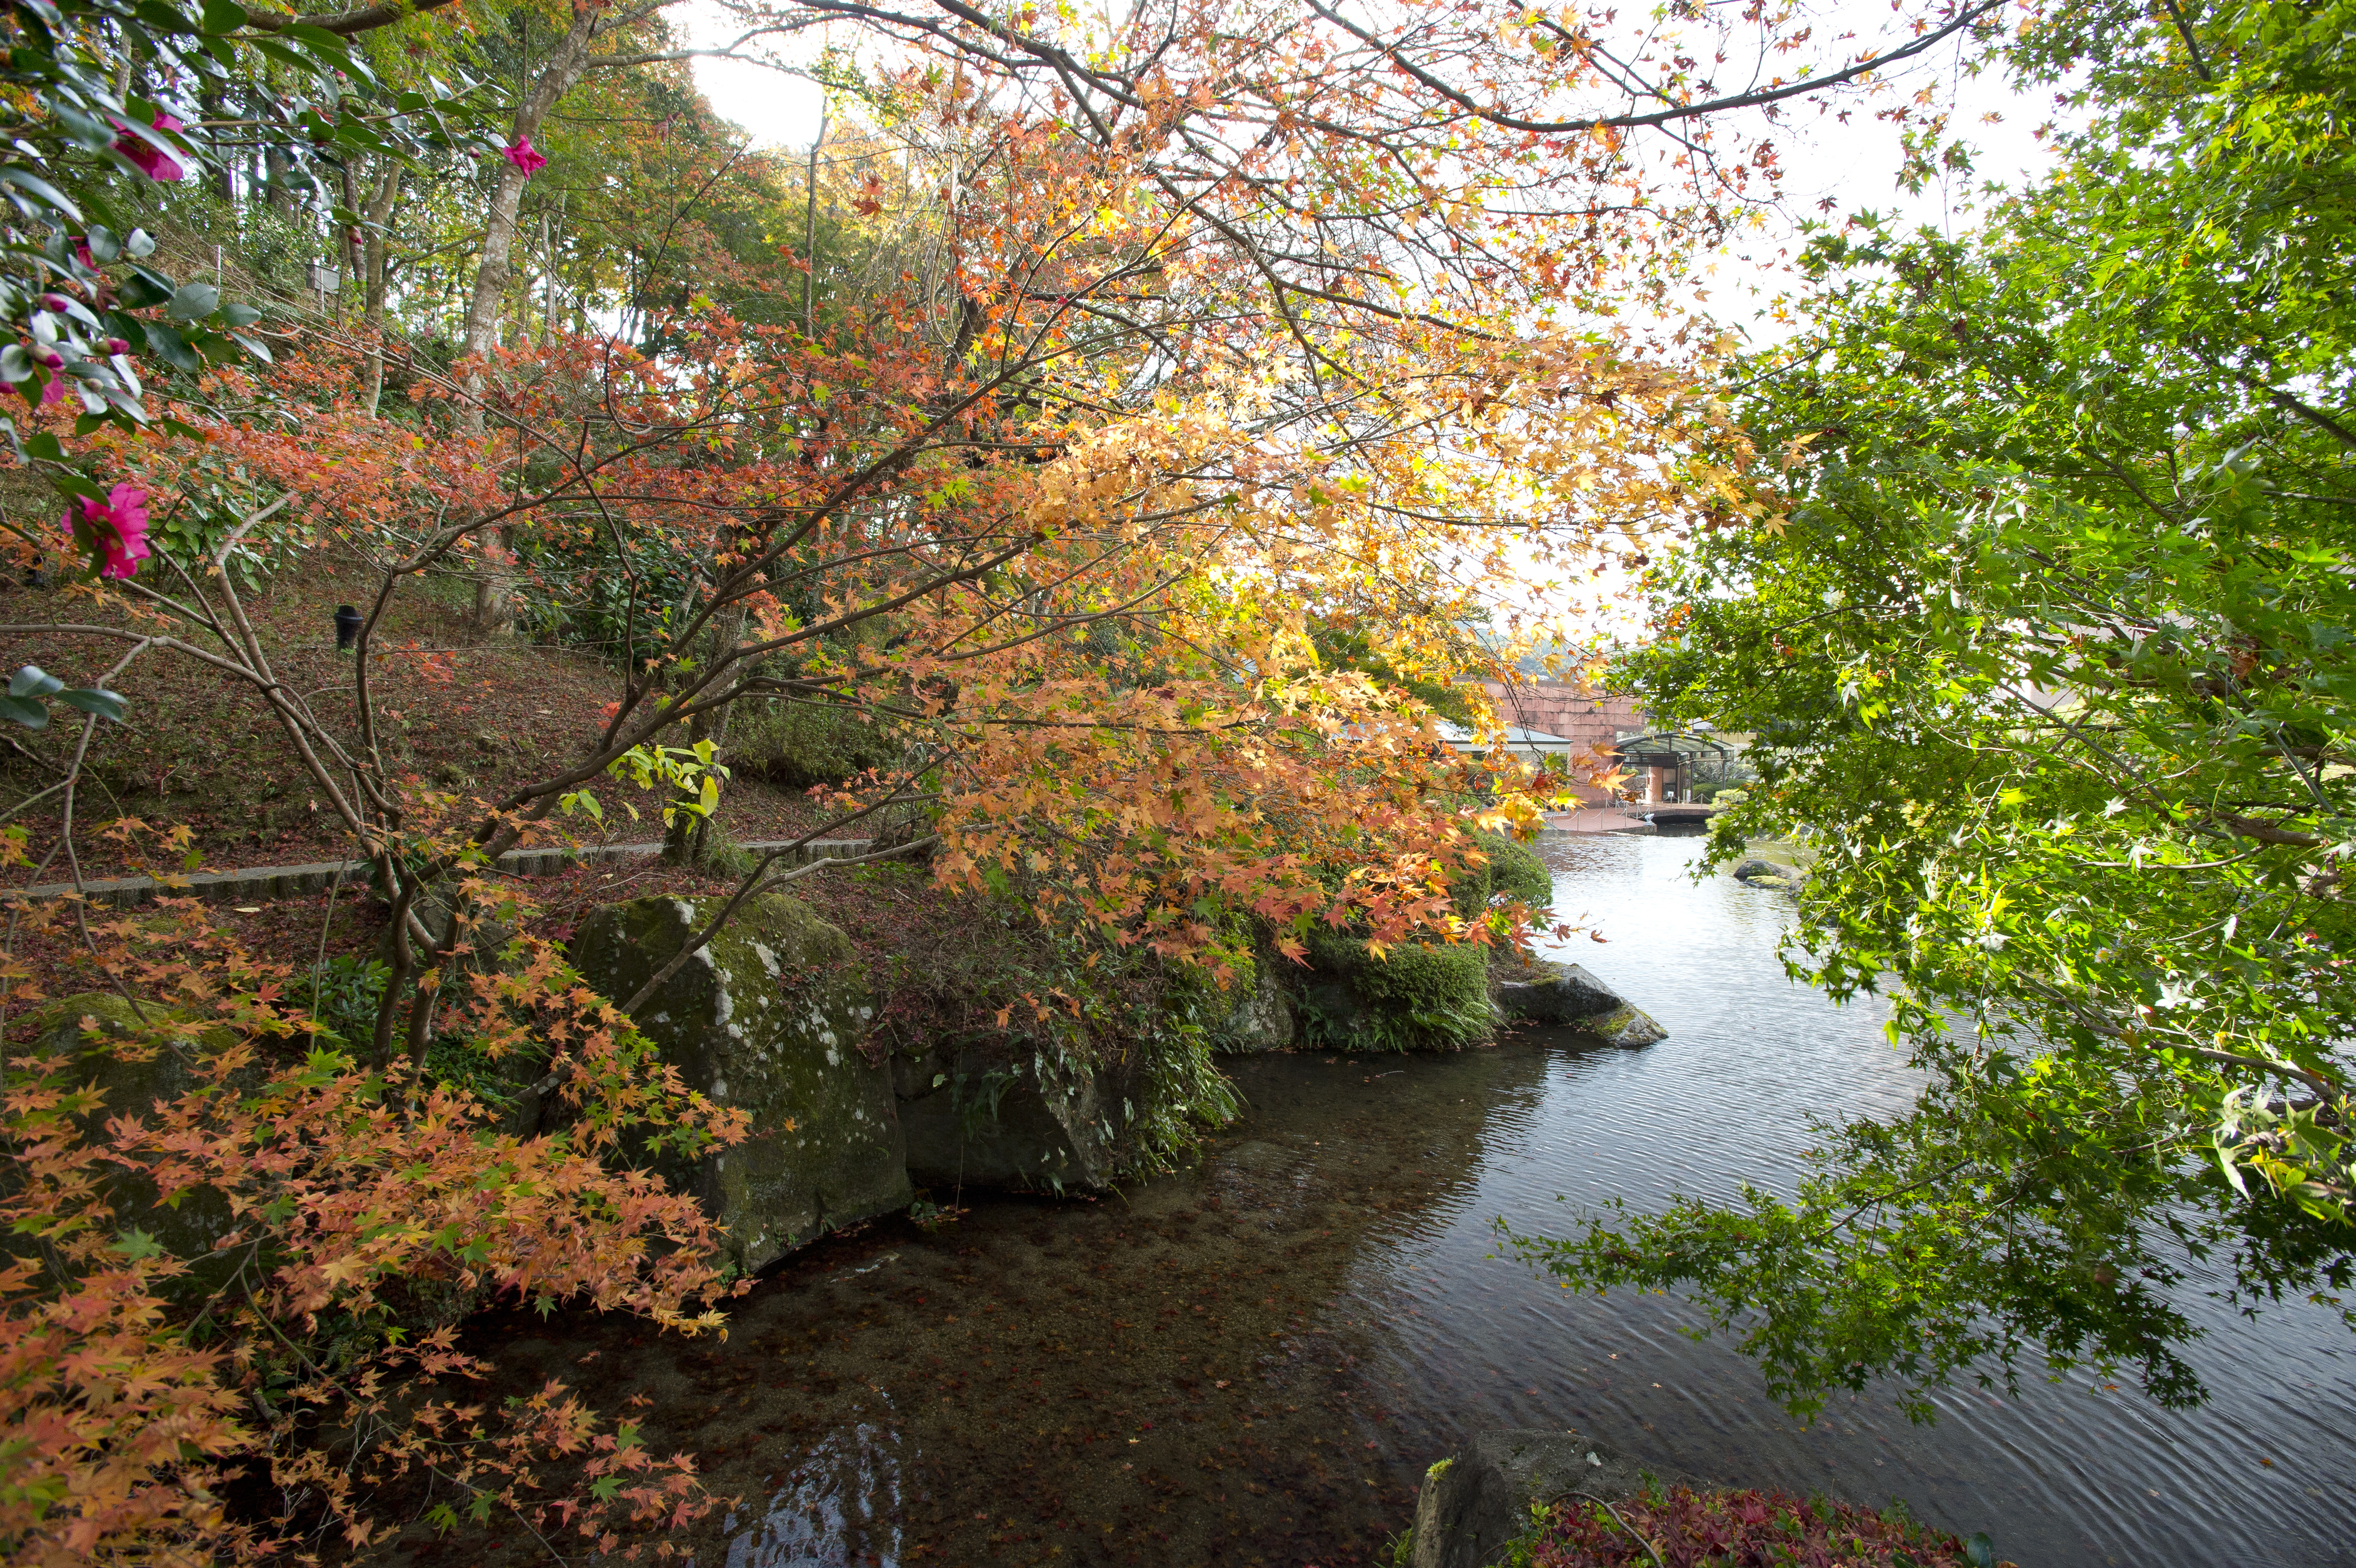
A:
x,y
1477,1502
973,1119
767,1018
1566,995
1768,874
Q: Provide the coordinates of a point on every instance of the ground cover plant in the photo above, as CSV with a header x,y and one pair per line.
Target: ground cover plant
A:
x,y
1679,1527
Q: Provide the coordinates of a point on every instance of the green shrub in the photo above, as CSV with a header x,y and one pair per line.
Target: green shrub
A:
x,y
1515,871
799,744
342,995
1416,996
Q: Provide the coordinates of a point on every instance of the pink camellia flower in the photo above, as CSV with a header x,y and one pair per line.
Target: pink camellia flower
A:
x,y
152,161
53,391
116,531
526,156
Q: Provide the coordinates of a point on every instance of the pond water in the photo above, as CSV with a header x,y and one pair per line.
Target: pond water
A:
x,y
1255,1360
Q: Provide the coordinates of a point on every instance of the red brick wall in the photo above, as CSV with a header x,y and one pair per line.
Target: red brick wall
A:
x,y
1590,721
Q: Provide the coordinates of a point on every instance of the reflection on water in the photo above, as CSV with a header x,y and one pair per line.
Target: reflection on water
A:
x,y
840,1505
1253,1362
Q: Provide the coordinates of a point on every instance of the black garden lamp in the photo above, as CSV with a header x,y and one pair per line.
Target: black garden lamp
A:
x,y
347,627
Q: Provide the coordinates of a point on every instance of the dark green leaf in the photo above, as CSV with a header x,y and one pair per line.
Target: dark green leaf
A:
x,y
96,700
142,289
193,301
32,185
170,347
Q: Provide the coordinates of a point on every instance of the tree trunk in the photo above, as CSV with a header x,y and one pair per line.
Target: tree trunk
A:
x,y
494,581
557,77
224,183
277,187
376,249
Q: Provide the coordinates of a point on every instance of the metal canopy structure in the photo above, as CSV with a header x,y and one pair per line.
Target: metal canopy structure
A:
x,y
1666,757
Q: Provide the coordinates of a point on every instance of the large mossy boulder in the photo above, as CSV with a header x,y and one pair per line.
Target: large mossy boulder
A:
x,y
769,1019
135,1064
975,1117
1412,996
1256,1010
1564,995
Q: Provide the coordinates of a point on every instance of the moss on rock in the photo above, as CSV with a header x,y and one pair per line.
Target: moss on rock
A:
x,y
1254,1013
116,1050
767,1017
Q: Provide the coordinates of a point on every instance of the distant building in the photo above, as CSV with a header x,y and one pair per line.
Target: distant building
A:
x,y
1601,733
1588,723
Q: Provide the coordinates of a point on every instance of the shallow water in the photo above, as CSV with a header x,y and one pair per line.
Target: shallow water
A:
x,y
1254,1361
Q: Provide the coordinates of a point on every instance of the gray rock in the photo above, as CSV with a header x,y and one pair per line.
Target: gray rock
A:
x,y
1477,1502
133,1080
1567,996
1767,874
973,1119
767,1018
1625,1026
1262,1018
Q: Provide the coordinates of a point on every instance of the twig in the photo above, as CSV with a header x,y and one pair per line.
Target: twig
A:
x,y
319,968
1650,1550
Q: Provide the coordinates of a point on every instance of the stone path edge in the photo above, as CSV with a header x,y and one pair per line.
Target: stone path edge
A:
x,y
258,883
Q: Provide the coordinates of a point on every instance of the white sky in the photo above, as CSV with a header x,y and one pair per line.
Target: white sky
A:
x,y
1854,165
